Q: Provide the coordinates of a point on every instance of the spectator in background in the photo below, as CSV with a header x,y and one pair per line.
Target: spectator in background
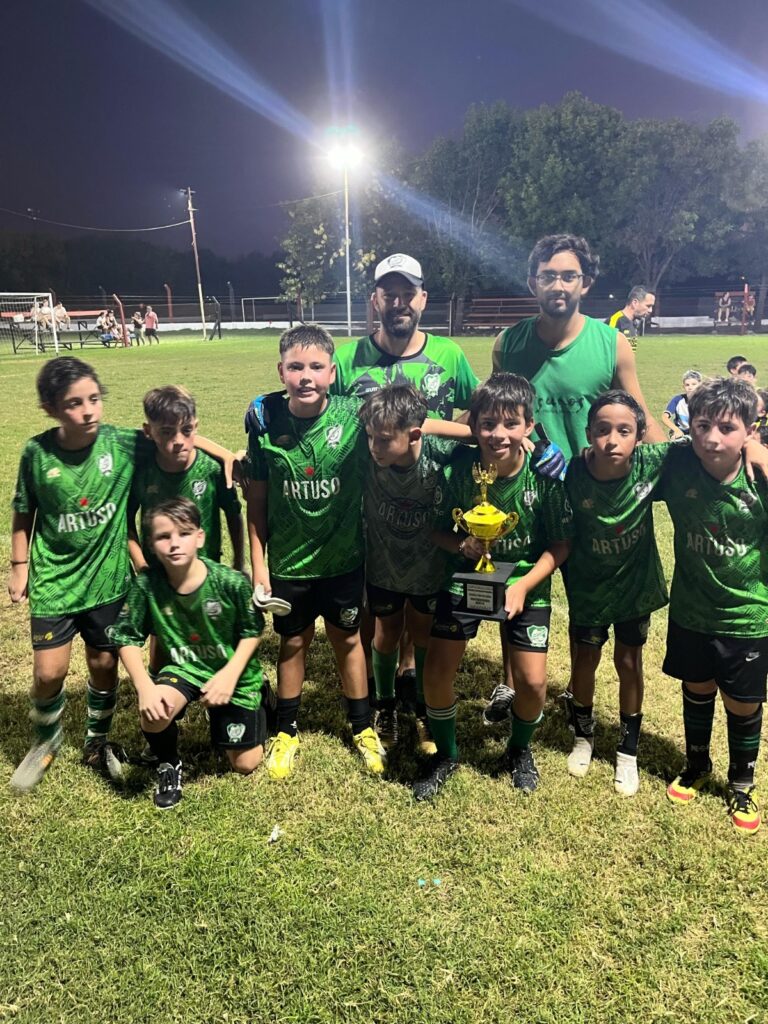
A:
x,y
137,322
676,414
638,309
762,403
150,325
733,364
749,311
723,309
747,372
61,316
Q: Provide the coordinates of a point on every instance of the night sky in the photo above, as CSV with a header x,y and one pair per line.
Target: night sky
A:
x,y
100,128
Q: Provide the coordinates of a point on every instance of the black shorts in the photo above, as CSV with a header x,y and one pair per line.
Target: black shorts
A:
x,y
232,727
632,633
528,631
338,599
93,625
382,603
737,664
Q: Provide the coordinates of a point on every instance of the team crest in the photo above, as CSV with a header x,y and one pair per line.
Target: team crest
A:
x,y
109,632
537,635
746,501
642,490
53,473
430,385
333,435
153,489
692,493
199,488
235,732
105,464
212,609
529,498
643,627
588,503
348,616
167,610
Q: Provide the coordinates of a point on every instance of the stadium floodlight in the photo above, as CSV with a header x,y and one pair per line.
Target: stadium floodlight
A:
x,y
345,155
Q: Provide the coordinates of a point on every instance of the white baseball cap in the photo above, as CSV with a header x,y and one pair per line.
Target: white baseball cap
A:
x,y
399,263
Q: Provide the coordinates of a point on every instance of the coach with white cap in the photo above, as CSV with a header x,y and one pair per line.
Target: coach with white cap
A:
x,y
399,350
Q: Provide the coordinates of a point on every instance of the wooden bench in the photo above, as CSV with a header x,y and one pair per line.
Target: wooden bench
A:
x,y
495,313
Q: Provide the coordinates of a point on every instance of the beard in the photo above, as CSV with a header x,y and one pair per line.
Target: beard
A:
x,y
558,312
399,324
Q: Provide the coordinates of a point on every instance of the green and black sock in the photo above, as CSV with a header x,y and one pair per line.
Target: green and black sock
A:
x,y
384,672
45,716
442,724
698,716
522,731
629,733
743,747
101,710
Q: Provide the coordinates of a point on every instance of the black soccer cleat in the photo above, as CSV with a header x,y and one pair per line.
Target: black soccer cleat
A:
x,y
107,759
525,774
439,770
168,792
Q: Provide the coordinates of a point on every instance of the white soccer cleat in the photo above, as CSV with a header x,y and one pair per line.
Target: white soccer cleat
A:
x,y
580,757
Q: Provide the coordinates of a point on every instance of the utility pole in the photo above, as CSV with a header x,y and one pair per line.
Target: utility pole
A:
x,y
191,211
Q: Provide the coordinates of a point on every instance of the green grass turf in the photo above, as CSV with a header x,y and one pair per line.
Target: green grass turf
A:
x,y
573,905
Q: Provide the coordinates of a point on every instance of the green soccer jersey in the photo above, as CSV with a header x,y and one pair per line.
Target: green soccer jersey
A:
x,y
315,470
79,554
202,482
399,512
545,517
200,631
719,586
614,569
566,380
439,371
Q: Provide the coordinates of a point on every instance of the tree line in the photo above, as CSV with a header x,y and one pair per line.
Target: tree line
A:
x,y
662,201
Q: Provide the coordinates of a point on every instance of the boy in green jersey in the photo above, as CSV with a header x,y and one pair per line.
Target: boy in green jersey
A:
x,y
202,613
304,509
402,565
179,469
614,573
718,613
501,417
70,557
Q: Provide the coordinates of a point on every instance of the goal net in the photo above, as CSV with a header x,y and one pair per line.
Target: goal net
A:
x,y
29,320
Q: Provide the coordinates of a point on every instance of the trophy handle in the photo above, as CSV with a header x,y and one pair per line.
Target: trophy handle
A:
x,y
458,518
512,520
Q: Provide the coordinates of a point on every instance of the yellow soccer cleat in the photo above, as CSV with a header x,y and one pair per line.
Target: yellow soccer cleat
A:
x,y
370,749
744,812
281,755
426,744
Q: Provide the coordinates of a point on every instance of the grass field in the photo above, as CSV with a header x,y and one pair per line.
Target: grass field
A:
x,y
571,906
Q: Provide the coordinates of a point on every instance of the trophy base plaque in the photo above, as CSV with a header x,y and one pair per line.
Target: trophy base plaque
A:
x,y
482,594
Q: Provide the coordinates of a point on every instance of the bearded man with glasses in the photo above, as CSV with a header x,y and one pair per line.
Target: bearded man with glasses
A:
x,y
568,357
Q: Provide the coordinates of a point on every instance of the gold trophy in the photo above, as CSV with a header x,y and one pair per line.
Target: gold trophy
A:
x,y
485,521
482,590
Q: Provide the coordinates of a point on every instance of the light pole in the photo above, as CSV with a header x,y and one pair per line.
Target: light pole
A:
x,y
191,211
346,155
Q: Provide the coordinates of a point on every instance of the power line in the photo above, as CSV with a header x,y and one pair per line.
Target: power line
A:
x,y
87,227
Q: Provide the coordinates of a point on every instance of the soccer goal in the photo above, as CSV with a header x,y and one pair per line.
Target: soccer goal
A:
x,y
27,320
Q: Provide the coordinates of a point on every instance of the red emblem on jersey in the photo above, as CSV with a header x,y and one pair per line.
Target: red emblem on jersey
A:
x,y
310,471
83,502
618,530
194,637
713,528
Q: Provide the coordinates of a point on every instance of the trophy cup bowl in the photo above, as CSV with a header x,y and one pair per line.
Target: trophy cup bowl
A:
x,y
488,524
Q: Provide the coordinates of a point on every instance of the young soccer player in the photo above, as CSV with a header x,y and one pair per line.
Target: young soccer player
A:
x,y
179,469
69,554
747,372
304,509
614,572
402,565
501,416
203,615
733,364
676,414
718,615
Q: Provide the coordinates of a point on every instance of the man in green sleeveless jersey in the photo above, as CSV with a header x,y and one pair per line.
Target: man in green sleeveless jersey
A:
x,y
179,469
399,351
718,613
568,357
638,308
204,618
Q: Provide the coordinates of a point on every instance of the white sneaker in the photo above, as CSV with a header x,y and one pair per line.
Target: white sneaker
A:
x,y
580,757
626,781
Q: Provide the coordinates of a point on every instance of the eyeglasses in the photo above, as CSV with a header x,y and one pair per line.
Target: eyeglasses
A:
x,y
548,277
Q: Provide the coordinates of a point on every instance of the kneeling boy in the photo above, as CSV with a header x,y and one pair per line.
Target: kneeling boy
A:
x,y
203,616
